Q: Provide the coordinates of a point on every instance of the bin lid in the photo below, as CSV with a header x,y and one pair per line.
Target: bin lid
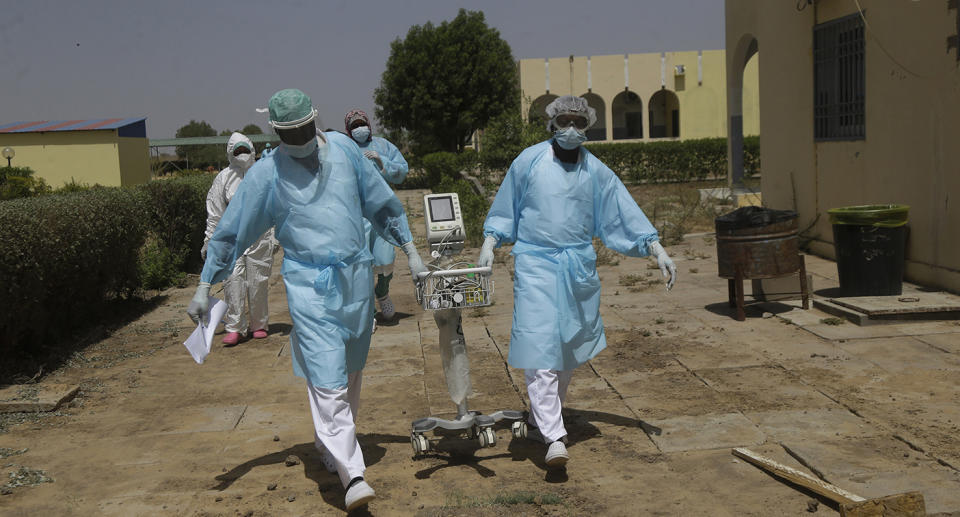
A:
x,y
752,217
885,216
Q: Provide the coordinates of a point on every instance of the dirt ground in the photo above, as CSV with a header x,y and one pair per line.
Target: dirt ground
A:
x,y
651,420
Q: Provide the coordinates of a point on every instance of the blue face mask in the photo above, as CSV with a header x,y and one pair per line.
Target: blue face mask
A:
x,y
361,134
570,138
301,151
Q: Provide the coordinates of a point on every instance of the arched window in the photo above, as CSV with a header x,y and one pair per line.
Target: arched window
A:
x,y
664,109
538,107
597,131
627,116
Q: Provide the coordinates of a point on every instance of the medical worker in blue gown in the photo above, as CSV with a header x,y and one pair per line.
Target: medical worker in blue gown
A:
x,y
315,189
393,168
555,198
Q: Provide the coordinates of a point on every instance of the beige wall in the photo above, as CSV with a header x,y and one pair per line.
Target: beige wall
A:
x,y
909,155
92,157
134,157
702,106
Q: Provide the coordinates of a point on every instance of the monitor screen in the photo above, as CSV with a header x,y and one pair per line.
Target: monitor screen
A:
x,y
441,209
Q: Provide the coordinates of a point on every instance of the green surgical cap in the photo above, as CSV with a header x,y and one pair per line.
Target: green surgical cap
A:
x,y
290,105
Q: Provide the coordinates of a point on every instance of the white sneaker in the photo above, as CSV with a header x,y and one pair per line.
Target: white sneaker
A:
x,y
386,307
358,495
557,455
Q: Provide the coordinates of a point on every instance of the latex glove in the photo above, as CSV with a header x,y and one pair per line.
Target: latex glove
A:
x,y
199,305
375,156
486,252
203,251
414,261
667,267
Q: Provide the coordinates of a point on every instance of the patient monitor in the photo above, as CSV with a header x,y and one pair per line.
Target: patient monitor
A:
x,y
445,233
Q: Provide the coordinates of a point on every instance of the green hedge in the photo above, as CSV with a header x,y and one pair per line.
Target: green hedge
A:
x,y
63,256
68,255
177,216
680,160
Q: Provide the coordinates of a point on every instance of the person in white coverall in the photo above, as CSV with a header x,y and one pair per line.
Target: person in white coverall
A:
x,y
246,288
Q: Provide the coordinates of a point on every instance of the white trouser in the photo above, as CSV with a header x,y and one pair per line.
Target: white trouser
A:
x,y
248,286
334,412
547,390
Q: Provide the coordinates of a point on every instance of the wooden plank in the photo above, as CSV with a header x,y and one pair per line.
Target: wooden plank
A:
x,y
907,303
909,504
797,477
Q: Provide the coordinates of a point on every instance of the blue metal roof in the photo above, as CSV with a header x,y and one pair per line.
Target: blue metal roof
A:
x,y
68,125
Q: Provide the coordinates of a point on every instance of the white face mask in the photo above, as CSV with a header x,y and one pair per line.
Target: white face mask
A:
x,y
570,138
243,161
361,134
300,151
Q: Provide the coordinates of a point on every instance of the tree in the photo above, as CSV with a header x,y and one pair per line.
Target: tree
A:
x,y
251,129
443,82
506,135
199,155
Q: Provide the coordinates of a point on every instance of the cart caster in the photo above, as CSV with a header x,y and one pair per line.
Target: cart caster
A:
x,y
487,437
519,429
420,444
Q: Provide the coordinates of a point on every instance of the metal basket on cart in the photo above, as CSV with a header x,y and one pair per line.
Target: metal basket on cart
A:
x,y
455,288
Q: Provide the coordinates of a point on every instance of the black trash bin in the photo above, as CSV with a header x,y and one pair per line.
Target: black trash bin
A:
x,y
870,241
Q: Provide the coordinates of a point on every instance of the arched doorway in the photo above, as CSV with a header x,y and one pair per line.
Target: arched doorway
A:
x,y
538,108
599,130
627,116
746,48
664,110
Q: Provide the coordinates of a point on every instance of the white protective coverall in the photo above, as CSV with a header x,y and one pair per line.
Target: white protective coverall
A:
x,y
249,280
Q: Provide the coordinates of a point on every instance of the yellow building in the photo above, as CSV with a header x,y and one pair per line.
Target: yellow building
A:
x,y
857,108
643,97
109,152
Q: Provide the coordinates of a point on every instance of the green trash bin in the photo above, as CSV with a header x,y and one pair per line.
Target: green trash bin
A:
x,y
870,241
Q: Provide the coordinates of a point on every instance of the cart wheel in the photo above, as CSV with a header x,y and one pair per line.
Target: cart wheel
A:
x,y
420,444
519,429
487,437
473,432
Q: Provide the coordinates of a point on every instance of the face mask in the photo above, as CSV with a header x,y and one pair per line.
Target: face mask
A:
x,y
300,151
242,161
361,134
570,138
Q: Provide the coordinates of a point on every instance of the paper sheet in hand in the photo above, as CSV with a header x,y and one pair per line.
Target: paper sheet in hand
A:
x,y
198,344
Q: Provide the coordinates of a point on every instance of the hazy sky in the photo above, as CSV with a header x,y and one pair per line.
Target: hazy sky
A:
x,y
176,60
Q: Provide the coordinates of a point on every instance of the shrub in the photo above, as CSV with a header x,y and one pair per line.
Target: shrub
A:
x,y
159,267
680,160
176,213
72,186
19,182
65,255
440,166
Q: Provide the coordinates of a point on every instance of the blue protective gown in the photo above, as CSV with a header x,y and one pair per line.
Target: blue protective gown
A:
x,y
394,171
552,211
318,218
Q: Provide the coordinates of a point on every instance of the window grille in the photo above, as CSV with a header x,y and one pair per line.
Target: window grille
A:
x,y
839,79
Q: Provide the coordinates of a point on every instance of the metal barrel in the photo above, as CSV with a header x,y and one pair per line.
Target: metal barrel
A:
x,y
766,251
